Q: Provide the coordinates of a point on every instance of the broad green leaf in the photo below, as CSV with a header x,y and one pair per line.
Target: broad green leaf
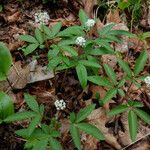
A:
x,y
133,125
140,62
91,129
83,113
143,115
56,28
55,133
6,106
30,48
110,72
53,52
82,74
83,17
117,110
27,38
35,121
135,103
31,102
109,95
89,63
124,65
123,4
54,144
70,49
102,81
41,145
20,116
121,92
5,61
39,35
75,136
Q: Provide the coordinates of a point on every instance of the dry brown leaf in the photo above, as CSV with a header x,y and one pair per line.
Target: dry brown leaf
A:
x,y
113,16
14,18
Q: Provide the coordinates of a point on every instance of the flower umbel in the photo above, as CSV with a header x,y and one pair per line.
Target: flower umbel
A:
x,y
42,17
60,104
147,81
80,41
90,23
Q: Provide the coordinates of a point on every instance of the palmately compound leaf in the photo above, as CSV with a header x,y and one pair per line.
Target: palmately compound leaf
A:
x,y
82,74
143,115
140,62
109,95
124,65
110,72
20,116
5,61
31,102
74,131
83,113
83,17
54,144
117,110
91,129
6,106
72,117
133,124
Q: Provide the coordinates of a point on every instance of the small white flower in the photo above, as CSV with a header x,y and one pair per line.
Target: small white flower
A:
x,y
147,81
80,41
90,23
60,104
41,17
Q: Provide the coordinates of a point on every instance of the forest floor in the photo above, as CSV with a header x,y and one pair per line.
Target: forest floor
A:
x,y
17,18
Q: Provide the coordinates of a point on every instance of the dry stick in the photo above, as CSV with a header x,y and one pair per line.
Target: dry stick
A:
x,y
136,141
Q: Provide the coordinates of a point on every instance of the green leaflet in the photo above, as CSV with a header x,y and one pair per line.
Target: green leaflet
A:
x,y
5,61
110,73
6,106
109,95
140,62
31,102
82,74
75,136
98,80
143,115
117,110
83,113
91,129
133,124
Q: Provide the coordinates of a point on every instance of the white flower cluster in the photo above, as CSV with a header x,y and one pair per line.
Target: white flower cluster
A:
x,y
90,23
147,81
41,17
80,41
60,104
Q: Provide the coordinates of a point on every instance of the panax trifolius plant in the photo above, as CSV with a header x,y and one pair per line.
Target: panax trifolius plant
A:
x,y
39,135
74,47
